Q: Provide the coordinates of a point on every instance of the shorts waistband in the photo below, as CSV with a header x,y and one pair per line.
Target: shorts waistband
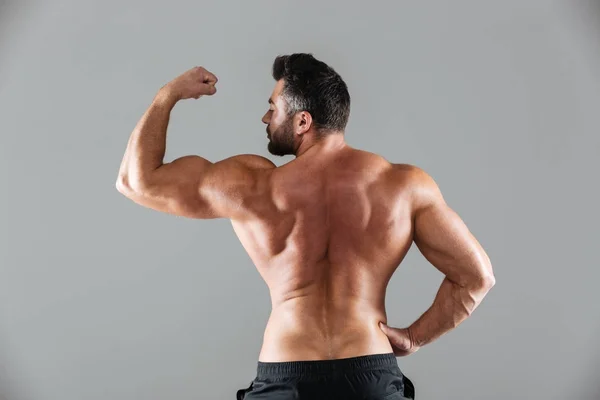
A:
x,y
294,368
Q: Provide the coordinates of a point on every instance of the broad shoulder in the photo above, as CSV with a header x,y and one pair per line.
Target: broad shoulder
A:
x,y
419,183
252,161
411,172
237,187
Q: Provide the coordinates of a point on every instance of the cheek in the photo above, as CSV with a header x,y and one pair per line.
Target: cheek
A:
x,y
277,118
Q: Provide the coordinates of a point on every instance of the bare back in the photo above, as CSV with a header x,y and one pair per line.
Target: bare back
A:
x,y
327,245
326,230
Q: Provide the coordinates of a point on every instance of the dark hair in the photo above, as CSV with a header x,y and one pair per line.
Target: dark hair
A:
x,y
313,86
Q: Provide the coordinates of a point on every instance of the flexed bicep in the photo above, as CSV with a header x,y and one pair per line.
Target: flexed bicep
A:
x,y
194,187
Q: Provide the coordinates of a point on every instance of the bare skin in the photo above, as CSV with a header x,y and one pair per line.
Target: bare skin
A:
x,y
326,231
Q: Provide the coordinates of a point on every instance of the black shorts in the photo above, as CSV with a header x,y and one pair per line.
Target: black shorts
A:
x,y
372,377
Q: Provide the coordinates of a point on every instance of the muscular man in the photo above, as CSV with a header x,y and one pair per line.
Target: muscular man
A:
x,y
326,232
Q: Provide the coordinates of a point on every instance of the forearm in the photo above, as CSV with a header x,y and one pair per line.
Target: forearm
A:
x,y
146,147
452,305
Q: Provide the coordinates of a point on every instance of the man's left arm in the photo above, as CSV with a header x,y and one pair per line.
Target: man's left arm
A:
x,y
189,186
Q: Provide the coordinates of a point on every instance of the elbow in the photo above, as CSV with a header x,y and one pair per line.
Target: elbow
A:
x,y
485,279
484,282
488,282
489,278
126,186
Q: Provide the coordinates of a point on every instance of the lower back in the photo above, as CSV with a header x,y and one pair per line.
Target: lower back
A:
x,y
307,328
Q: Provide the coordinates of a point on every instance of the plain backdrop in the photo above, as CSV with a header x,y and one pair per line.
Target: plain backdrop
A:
x,y
103,299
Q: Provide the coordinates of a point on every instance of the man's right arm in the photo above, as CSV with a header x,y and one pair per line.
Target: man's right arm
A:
x,y
446,242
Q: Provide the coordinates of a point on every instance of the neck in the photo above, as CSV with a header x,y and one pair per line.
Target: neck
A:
x,y
331,142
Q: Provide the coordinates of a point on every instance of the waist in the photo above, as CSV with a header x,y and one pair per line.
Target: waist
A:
x,y
304,332
266,370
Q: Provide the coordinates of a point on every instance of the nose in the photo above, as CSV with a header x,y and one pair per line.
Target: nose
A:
x,y
265,118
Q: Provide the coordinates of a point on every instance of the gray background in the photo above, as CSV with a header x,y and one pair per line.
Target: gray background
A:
x,y
103,299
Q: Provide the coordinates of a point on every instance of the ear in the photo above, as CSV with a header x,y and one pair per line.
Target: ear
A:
x,y
304,122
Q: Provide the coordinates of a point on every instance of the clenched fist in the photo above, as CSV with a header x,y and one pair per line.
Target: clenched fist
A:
x,y
194,83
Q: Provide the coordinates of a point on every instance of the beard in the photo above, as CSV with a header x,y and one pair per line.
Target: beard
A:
x,y
281,142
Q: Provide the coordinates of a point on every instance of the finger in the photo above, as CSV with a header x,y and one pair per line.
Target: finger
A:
x,y
209,89
210,78
391,333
